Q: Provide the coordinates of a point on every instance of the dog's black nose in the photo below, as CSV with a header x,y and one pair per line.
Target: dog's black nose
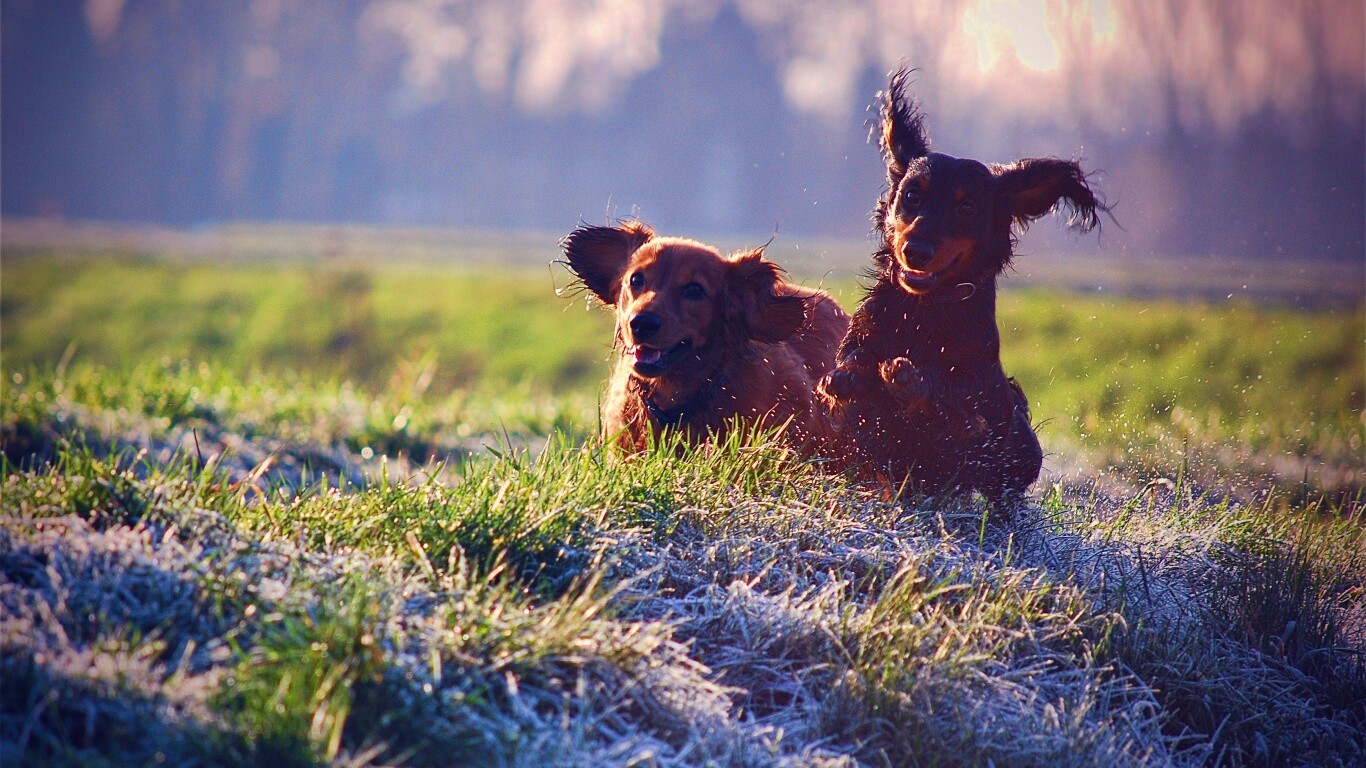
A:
x,y
917,254
644,325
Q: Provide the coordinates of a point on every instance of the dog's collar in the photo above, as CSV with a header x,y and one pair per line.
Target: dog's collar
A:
x,y
672,417
960,292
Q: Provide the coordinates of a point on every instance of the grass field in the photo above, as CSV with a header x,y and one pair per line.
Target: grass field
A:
x,y
304,512
1259,396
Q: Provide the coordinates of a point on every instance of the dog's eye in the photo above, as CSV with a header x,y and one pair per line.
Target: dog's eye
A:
x,y
911,199
637,280
966,210
694,291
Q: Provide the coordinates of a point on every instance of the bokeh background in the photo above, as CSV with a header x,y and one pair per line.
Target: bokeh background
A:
x,y
300,434
1220,127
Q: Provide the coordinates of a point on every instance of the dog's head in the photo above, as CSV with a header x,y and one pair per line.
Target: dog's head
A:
x,y
681,305
948,220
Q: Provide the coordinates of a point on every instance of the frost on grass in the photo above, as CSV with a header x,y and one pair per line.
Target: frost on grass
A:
x,y
726,608
173,634
271,431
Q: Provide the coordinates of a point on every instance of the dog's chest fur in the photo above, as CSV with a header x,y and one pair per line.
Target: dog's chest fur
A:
x,y
955,344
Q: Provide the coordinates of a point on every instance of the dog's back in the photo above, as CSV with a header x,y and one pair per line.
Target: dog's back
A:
x,y
826,323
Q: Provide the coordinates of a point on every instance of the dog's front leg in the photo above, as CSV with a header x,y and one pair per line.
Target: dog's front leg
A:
x,y
855,377
909,384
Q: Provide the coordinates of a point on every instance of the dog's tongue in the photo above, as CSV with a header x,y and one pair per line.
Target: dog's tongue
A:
x,y
647,355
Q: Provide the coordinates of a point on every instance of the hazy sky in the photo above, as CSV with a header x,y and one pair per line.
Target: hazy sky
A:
x,y
1121,64
1220,126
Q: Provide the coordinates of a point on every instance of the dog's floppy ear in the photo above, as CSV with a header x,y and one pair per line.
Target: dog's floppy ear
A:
x,y
758,309
1036,186
599,255
903,128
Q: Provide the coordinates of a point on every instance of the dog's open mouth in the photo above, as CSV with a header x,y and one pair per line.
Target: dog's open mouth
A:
x,y
653,361
919,280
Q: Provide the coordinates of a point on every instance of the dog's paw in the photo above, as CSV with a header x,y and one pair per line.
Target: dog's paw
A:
x,y
903,379
899,372
840,384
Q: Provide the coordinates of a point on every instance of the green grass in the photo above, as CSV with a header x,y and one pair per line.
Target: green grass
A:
x,y
332,320
572,610
1242,395
1254,395
266,515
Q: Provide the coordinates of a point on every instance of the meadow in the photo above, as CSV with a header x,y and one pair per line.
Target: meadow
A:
x,y
333,511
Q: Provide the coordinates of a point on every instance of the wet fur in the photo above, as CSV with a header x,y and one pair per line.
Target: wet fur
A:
x,y
758,344
919,394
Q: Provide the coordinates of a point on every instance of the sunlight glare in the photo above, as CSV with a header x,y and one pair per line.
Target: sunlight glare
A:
x,y
1021,25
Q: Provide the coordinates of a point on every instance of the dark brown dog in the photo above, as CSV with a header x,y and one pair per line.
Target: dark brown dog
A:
x,y
706,339
919,392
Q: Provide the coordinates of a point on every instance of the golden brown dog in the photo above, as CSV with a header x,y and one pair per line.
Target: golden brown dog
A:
x,y
706,339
